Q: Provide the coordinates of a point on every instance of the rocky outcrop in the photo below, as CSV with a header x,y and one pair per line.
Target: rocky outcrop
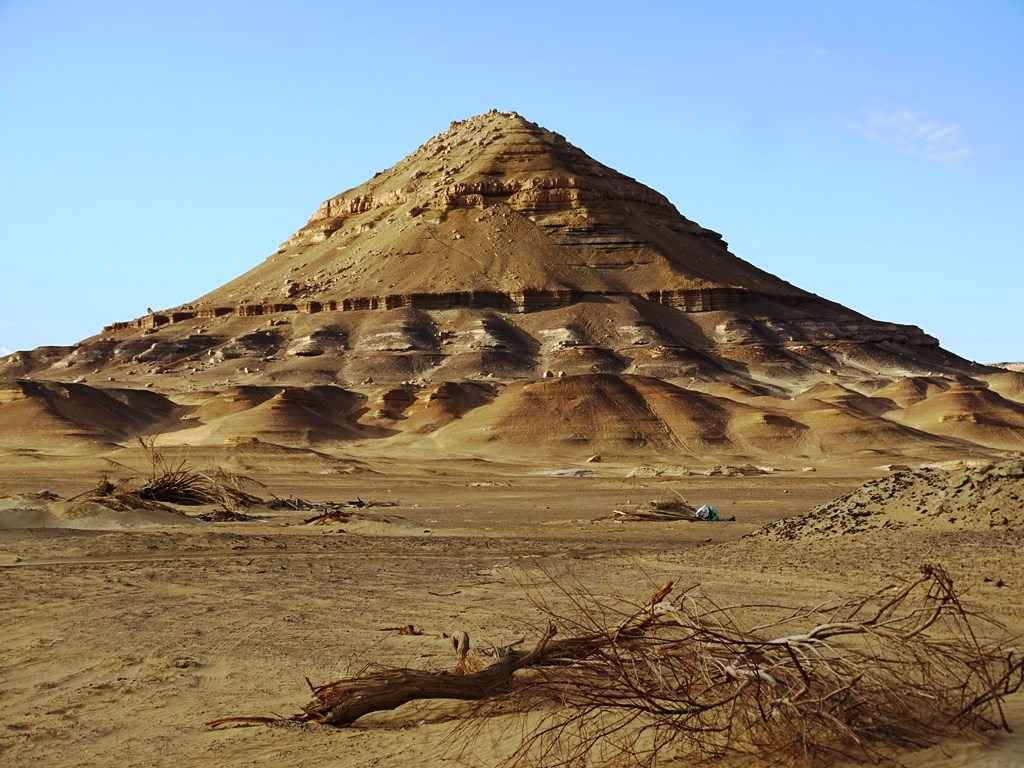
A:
x,y
954,496
341,206
733,331
322,341
257,344
818,330
544,194
702,300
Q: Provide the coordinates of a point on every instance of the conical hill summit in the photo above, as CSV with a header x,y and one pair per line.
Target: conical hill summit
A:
x,y
499,205
500,290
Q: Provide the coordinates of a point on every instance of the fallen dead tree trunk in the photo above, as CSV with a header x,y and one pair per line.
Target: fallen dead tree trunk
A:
x,y
687,679
342,702
345,701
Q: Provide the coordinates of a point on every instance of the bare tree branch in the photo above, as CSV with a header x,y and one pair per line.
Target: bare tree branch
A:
x,y
680,678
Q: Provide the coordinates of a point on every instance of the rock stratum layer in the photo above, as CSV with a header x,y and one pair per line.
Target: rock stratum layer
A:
x,y
498,288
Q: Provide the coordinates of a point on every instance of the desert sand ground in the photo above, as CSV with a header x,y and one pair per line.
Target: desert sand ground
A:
x,y
117,645
495,306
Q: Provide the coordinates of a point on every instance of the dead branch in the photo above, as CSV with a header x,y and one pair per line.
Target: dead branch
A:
x,y
681,678
331,512
345,701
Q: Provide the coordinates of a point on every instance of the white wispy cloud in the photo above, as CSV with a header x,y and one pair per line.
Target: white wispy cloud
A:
x,y
4,351
815,50
916,134
800,50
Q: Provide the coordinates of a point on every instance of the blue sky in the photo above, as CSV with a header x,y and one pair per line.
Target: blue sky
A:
x,y
871,152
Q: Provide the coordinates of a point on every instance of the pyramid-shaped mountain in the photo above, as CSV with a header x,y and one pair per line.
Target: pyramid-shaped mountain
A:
x,y
498,288
504,209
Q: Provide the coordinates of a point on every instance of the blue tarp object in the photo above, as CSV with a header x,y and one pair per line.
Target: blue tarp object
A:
x,y
707,513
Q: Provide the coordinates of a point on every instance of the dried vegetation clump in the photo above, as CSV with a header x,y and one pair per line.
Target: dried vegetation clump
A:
x,y
660,509
682,678
670,510
172,481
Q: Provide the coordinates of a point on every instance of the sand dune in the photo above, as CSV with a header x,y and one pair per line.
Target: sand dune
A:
x,y
1010,385
579,413
45,413
33,512
971,413
591,412
289,416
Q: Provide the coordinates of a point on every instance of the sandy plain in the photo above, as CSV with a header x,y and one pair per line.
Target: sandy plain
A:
x,y
117,645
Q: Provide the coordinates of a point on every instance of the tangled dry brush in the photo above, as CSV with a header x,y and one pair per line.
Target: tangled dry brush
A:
x,y
682,678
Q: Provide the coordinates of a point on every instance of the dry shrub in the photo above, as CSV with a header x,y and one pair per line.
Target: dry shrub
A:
x,y
696,682
684,679
172,481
